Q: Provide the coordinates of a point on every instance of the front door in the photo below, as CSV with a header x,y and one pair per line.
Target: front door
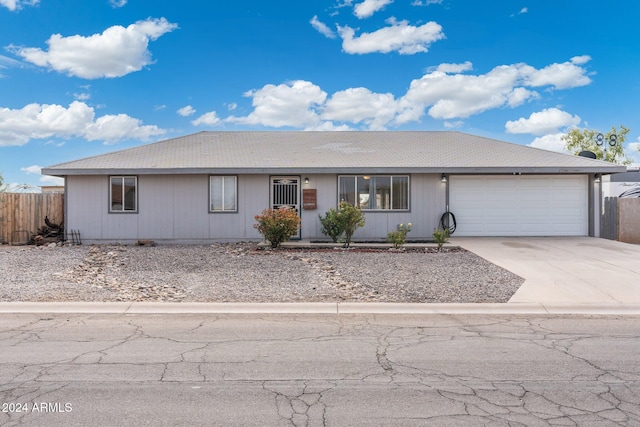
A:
x,y
285,192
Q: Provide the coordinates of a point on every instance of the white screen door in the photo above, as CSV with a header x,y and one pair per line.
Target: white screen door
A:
x,y
285,192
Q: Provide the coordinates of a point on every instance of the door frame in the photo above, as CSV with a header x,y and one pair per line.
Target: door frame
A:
x,y
297,206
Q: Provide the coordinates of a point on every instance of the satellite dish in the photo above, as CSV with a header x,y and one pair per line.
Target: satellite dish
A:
x,y
588,154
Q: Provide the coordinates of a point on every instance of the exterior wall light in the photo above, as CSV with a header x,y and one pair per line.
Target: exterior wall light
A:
x,y
596,178
443,178
306,180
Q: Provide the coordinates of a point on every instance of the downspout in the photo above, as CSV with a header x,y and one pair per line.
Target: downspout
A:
x,y
591,214
64,208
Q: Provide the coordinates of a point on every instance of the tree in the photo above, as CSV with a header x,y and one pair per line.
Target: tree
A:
x,y
587,140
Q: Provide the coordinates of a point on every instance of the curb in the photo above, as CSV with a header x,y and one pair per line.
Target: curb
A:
x,y
316,308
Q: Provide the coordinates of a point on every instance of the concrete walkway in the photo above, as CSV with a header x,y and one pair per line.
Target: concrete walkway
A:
x,y
568,275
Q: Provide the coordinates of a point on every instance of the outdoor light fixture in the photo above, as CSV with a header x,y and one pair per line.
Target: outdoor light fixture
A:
x,y
443,178
596,178
306,180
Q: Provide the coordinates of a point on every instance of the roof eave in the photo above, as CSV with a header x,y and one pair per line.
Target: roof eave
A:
x,y
605,169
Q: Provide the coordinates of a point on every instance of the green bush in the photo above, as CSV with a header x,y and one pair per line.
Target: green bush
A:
x,y
277,225
342,222
440,237
399,237
331,225
351,218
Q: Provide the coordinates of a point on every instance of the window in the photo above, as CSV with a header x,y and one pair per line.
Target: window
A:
x,y
377,192
123,194
223,194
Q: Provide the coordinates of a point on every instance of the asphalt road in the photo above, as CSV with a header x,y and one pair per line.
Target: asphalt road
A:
x,y
334,370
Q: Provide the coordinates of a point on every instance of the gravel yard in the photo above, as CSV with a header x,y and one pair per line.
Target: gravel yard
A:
x,y
241,273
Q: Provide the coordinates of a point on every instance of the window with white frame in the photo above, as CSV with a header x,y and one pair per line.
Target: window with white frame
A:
x,y
223,193
375,192
123,194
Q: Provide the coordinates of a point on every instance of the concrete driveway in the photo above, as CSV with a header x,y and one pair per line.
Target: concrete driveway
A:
x,y
564,270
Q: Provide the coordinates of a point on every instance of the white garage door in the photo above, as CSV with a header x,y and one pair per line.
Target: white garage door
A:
x,y
522,205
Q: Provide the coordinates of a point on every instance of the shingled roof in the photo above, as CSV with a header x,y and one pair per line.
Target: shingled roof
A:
x,y
290,152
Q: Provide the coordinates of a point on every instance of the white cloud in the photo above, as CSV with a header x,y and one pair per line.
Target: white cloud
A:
x,y
32,170
322,28
186,111
368,7
547,121
294,104
232,106
208,119
442,95
159,107
114,128
461,96
521,12
51,180
114,53
453,125
82,96
14,5
397,37
449,96
425,2
579,60
360,105
455,68
519,96
39,121
560,76
551,142
45,179
8,62
117,3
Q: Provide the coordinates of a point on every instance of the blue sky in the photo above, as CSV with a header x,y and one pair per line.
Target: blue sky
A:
x,y
80,78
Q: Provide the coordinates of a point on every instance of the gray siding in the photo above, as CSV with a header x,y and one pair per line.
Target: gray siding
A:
x,y
427,204
174,208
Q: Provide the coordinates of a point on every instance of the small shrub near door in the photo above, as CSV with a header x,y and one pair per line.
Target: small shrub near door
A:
x,y
277,225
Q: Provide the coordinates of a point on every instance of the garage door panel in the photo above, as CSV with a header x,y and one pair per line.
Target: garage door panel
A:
x,y
519,205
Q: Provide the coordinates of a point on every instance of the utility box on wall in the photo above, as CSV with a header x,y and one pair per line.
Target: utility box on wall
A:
x,y
309,199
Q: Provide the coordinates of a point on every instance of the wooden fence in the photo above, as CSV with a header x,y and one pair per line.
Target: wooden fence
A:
x,y
621,220
609,220
22,214
629,220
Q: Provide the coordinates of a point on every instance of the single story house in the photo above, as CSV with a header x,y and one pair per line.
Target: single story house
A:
x,y
208,186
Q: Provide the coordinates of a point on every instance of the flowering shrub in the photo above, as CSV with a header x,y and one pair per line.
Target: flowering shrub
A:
x,y
441,237
277,225
399,237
